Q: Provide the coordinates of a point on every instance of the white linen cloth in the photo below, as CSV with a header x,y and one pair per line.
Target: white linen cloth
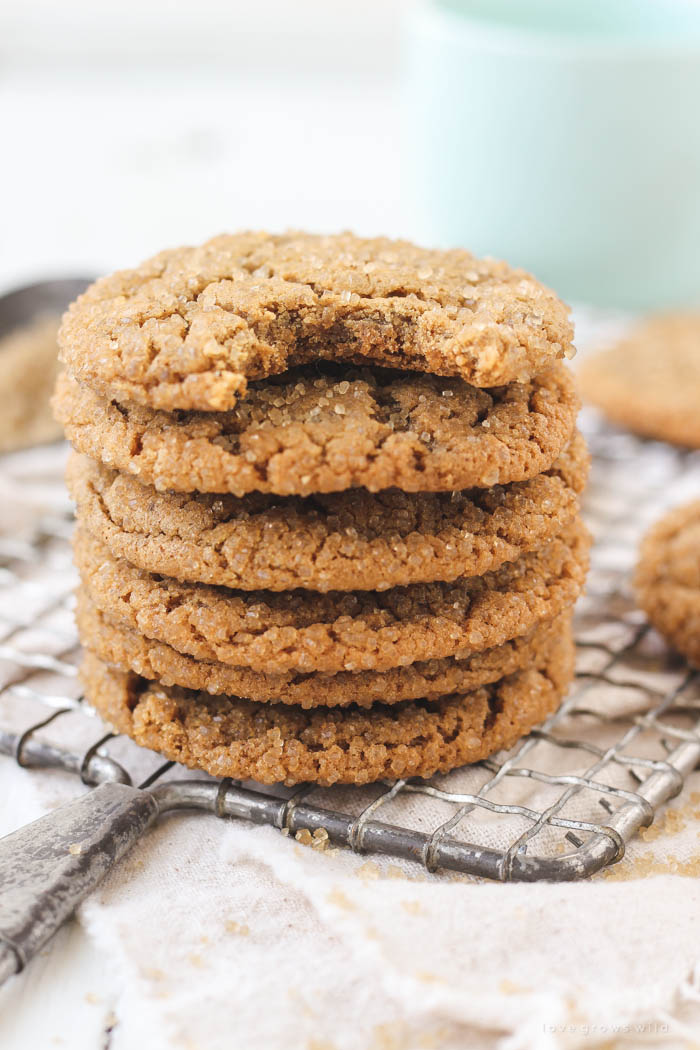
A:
x,y
226,935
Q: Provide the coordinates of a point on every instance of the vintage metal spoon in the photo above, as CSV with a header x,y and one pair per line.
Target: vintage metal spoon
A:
x,y
21,305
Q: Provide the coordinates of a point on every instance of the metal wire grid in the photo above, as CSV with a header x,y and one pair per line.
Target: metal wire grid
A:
x,y
561,805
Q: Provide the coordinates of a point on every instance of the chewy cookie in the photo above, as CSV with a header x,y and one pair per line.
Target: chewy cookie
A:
x,y
650,382
127,650
274,743
352,540
192,326
353,631
311,431
28,370
668,579
327,493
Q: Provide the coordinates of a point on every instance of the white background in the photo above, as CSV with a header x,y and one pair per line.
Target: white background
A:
x,y
131,126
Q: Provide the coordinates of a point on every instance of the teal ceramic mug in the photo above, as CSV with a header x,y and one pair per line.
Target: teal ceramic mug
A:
x,y
564,136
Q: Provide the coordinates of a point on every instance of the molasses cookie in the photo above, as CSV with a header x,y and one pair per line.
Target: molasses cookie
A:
x,y
276,632
327,430
650,381
128,650
668,579
189,328
353,540
28,370
276,743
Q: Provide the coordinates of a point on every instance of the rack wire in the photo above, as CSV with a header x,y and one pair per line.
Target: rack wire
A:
x,y
561,805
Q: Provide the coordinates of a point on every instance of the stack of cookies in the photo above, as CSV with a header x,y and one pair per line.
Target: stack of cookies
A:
x,y
327,494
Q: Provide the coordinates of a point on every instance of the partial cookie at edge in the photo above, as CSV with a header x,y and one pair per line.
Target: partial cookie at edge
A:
x,y
667,579
650,381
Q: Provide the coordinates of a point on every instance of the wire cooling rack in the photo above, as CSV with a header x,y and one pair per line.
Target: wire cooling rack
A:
x,y
560,806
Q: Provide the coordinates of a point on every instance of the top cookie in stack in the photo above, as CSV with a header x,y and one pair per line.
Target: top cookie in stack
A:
x,y
327,494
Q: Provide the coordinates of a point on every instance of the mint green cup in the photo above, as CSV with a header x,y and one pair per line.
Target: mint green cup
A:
x,y
563,136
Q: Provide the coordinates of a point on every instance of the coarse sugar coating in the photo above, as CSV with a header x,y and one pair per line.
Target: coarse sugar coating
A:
x,y
305,631
354,540
189,328
650,381
276,743
328,429
667,580
127,650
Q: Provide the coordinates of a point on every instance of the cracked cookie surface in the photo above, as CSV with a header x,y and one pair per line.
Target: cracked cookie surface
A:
x,y
667,579
650,381
127,650
189,328
340,631
275,743
327,430
353,540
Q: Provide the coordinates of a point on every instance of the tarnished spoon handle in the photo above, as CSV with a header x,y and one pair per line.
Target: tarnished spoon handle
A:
x,y
49,866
